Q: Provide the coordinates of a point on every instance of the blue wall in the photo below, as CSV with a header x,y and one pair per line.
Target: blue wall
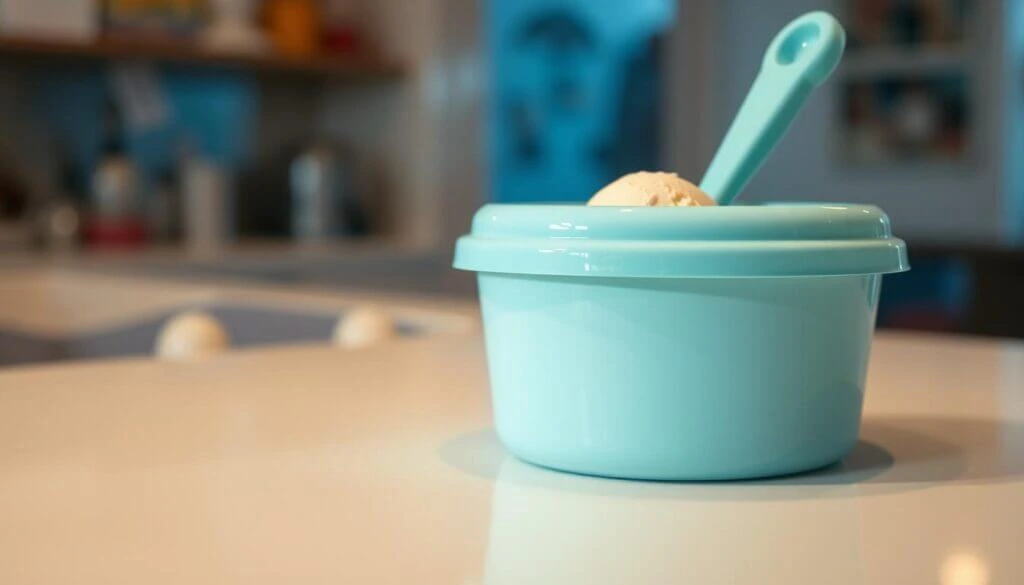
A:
x,y
215,115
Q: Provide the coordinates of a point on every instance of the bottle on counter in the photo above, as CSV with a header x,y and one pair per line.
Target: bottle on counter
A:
x,y
324,200
60,226
60,220
114,219
207,202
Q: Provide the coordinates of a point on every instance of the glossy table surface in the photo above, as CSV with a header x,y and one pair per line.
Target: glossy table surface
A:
x,y
313,465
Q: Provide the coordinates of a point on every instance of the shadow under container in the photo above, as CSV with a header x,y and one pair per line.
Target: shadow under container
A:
x,y
706,343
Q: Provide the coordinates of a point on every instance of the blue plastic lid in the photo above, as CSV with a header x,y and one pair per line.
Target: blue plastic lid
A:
x,y
680,242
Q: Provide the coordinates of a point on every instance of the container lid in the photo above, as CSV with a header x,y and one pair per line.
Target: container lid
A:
x,y
779,239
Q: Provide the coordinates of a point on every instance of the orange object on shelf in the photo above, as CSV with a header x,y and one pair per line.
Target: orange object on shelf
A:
x,y
294,26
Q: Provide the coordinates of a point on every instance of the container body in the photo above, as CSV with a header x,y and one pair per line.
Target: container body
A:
x,y
678,378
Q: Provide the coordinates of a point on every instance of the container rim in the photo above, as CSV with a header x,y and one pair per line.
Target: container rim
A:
x,y
778,239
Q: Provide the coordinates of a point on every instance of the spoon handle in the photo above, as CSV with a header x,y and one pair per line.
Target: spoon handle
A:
x,y
800,58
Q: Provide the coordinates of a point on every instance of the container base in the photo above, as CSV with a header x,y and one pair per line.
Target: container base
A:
x,y
668,474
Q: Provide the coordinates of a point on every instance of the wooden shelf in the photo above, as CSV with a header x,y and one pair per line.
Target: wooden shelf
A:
x,y
189,54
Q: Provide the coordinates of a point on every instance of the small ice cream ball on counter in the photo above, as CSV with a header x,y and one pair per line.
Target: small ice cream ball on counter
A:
x,y
364,326
191,334
651,189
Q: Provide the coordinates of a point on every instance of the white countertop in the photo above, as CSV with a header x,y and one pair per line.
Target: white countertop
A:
x,y
312,465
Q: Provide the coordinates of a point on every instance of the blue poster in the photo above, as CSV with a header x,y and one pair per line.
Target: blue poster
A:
x,y
575,96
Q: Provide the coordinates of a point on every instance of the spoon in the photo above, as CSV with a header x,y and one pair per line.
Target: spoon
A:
x,y
800,57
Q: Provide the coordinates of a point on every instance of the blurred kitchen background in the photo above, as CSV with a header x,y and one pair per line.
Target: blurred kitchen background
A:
x,y
348,142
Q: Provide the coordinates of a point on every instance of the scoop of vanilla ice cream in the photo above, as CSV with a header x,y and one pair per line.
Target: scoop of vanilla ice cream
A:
x,y
364,326
647,189
190,335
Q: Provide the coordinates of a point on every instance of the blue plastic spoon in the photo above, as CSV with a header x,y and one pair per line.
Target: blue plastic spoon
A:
x,y
800,58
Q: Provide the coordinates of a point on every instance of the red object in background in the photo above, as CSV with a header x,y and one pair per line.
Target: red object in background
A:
x,y
342,40
115,234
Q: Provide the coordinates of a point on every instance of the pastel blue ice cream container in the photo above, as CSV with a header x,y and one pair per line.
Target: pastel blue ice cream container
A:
x,y
698,343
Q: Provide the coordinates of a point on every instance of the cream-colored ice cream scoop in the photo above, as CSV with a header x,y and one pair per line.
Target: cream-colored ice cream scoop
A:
x,y
191,335
364,326
651,189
